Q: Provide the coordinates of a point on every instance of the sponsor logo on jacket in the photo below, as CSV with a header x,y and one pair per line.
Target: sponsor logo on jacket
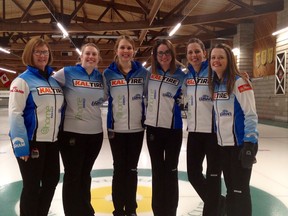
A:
x,y
15,89
244,87
81,104
121,82
87,84
98,102
49,91
168,80
167,94
137,97
49,114
225,113
200,81
121,102
118,82
18,142
136,80
221,96
190,82
205,98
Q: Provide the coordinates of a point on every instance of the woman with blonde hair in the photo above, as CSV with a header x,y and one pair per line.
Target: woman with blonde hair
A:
x,y
35,105
125,80
82,134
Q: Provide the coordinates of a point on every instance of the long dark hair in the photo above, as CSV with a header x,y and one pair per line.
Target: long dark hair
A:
x,y
154,61
230,72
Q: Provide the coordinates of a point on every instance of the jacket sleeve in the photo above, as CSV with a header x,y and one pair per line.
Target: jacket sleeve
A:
x,y
145,92
60,76
19,91
245,96
106,86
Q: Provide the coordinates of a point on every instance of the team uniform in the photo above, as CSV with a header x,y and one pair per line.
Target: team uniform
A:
x,y
125,118
35,105
236,123
82,135
164,137
202,140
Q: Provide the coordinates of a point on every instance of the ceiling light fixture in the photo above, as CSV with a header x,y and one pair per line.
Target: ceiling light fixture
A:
x,y
9,71
78,51
4,50
144,63
179,24
280,31
64,32
175,29
236,51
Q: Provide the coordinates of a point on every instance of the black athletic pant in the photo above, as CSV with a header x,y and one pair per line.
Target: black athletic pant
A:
x,y
126,148
208,187
79,152
237,180
164,147
40,178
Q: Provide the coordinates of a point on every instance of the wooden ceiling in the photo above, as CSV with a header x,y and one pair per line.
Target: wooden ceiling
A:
x,y
102,21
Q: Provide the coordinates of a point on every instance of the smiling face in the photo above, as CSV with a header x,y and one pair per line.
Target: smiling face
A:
x,y
195,55
90,58
124,51
40,57
164,57
218,61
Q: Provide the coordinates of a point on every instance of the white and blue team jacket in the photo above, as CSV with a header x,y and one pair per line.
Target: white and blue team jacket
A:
x,y
236,117
84,95
199,101
35,105
126,95
164,90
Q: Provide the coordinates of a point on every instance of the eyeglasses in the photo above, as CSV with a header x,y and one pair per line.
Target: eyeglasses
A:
x,y
39,52
166,53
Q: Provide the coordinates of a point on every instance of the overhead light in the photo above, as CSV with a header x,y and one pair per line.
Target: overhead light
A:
x,y
280,31
64,32
144,63
78,51
236,51
4,50
175,29
9,71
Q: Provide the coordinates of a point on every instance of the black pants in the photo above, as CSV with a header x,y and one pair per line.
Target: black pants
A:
x,y
79,152
237,180
208,188
126,148
40,178
164,147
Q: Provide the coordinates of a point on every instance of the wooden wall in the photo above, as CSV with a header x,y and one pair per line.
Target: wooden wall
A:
x,y
264,46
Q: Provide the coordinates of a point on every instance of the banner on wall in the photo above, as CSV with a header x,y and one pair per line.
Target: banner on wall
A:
x,y
4,80
280,77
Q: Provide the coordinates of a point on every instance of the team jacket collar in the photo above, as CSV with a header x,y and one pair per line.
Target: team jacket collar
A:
x,y
204,65
36,70
135,66
84,70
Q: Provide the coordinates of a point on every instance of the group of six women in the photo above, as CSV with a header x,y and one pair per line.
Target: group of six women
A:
x,y
220,104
